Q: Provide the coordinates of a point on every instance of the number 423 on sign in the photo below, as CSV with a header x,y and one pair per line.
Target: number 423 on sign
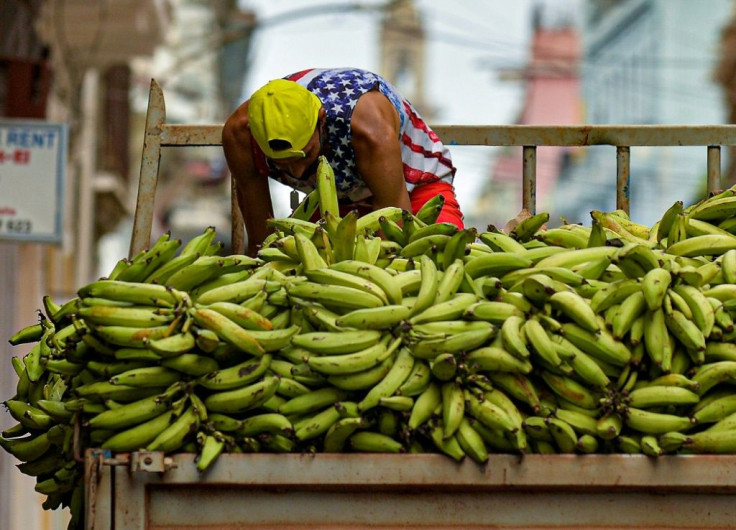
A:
x,y
16,226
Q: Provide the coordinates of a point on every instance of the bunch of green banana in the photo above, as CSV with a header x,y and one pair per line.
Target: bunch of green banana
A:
x,y
392,333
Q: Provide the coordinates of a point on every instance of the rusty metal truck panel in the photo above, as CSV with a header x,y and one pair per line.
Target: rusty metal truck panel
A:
x,y
421,491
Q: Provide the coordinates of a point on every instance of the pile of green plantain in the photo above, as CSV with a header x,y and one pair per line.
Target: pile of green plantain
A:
x,y
609,338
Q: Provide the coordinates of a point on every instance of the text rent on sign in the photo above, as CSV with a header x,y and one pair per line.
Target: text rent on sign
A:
x,y
32,176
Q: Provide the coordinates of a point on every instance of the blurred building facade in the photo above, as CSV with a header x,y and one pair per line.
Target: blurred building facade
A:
x,y
632,62
645,62
200,65
89,63
67,62
552,97
725,76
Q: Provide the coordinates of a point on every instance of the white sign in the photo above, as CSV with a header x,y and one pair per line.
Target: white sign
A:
x,y
32,176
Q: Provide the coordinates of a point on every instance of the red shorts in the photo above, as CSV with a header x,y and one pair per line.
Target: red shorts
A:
x,y
450,211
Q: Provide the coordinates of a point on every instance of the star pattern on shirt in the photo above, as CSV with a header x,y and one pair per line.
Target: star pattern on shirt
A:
x,y
340,90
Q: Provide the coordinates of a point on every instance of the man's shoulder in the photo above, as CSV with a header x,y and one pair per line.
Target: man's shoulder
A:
x,y
236,124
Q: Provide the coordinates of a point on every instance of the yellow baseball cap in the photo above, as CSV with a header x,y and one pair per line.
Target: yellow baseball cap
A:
x,y
286,111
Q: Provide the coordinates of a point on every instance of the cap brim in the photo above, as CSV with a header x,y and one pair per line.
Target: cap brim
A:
x,y
284,153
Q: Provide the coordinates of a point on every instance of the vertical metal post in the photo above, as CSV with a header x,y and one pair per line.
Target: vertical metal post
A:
x,y
623,177
714,168
529,179
150,160
86,174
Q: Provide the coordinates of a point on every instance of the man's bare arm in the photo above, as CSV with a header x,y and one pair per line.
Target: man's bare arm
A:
x,y
253,193
375,136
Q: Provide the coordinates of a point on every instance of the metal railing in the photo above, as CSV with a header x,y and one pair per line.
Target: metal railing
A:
x,y
160,134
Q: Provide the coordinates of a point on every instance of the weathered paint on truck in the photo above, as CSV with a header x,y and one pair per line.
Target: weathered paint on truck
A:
x,y
418,491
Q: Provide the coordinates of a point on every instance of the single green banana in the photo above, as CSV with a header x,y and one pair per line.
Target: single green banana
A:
x,y
529,226
147,376
417,381
192,364
519,386
136,412
336,437
395,377
565,437
126,336
384,317
471,441
715,410
661,396
244,398
536,428
449,310
317,424
379,276
614,293
487,413
654,286
227,330
337,342
355,362
339,296
582,423
650,422
444,367
686,331
709,442
27,449
363,380
493,358
428,349
174,345
28,334
500,241
425,405
141,434
572,390
134,292
374,442
336,277
561,237
601,345
703,245
176,434
494,311
313,401
609,426
628,311
540,342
